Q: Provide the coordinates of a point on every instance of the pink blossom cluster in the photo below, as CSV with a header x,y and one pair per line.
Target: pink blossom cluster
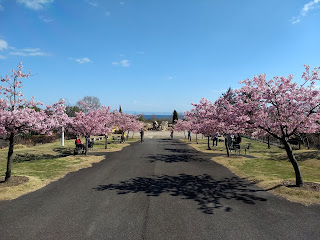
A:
x,y
202,118
126,122
102,121
94,122
278,107
17,115
182,125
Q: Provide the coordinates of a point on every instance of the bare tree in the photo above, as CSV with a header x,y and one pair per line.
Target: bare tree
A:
x,y
94,102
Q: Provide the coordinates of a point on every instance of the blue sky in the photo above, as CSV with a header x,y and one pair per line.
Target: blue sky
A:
x,y
154,56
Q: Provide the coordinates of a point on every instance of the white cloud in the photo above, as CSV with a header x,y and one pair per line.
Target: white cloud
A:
x,y
81,60
309,6
1,8
23,53
35,4
295,20
45,19
92,3
122,63
3,44
125,63
29,52
305,10
26,54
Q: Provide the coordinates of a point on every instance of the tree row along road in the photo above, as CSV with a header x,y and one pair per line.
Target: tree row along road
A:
x,y
159,189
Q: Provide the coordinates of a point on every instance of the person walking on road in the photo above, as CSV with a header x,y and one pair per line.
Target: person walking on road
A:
x,y
141,135
123,137
215,140
189,135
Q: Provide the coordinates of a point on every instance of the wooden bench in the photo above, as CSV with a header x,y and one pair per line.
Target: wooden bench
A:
x,y
236,148
116,138
90,144
239,147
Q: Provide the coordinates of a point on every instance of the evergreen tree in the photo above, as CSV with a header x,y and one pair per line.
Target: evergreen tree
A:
x,y
141,118
174,116
120,110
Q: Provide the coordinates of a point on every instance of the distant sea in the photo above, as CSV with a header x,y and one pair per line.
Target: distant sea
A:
x,y
160,117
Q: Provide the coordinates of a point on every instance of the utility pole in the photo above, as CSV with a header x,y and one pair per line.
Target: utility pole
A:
x,y
62,137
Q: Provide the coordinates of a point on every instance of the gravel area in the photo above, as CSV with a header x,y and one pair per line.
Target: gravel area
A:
x,y
162,134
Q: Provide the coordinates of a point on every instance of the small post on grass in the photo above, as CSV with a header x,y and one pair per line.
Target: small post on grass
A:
x,y
62,137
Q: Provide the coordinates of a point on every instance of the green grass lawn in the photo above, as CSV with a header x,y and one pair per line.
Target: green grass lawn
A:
x,y
49,162
269,167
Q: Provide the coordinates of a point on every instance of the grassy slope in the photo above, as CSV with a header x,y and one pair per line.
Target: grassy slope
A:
x,y
270,167
48,162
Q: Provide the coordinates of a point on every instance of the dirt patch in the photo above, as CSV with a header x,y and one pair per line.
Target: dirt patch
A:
x,y
308,186
14,181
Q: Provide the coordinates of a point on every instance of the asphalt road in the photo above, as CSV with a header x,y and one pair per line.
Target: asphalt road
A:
x,y
159,189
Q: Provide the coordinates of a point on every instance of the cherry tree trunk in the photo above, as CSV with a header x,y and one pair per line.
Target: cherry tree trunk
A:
x,y
87,145
209,148
197,138
294,162
308,143
9,159
227,147
106,142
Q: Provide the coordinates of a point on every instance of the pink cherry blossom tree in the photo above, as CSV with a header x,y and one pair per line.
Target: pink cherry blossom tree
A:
x,y
227,122
126,122
278,107
92,121
107,123
182,126
194,121
203,119
18,116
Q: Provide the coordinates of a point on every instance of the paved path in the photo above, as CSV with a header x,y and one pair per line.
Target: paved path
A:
x,y
159,189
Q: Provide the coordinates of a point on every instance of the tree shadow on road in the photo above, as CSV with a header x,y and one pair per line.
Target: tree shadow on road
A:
x,y
177,150
203,189
183,155
170,158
